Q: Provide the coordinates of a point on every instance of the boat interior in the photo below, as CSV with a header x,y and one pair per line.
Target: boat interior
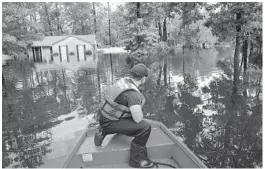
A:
x,y
162,147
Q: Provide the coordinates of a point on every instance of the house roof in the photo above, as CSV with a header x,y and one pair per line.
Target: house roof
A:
x,y
51,40
7,57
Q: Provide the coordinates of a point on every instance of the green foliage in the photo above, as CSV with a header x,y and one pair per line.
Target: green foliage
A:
x,y
80,16
190,31
189,11
222,18
140,35
18,30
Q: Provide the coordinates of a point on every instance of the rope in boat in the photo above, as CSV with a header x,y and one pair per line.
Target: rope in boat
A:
x,y
165,164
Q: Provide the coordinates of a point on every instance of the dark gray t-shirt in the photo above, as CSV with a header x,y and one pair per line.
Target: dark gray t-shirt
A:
x,y
129,98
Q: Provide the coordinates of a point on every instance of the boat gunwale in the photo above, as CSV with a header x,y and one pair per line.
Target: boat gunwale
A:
x,y
184,147
77,146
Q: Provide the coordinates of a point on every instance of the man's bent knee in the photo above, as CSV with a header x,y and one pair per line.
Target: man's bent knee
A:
x,y
145,128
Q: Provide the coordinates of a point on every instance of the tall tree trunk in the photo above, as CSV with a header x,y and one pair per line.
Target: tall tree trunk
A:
x,y
109,25
61,28
160,29
236,57
32,20
35,20
58,18
245,55
95,19
83,28
165,29
184,15
74,27
138,9
48,18
138,16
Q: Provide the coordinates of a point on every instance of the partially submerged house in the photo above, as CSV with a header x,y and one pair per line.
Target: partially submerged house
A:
x,y
59,49
6,59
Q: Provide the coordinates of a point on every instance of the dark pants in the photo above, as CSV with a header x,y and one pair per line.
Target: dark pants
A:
x,y
140,131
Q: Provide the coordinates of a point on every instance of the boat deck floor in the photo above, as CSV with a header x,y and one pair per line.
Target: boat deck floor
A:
x,y
162,147
115,150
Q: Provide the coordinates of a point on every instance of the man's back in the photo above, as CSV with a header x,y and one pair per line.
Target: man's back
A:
x,y
129,98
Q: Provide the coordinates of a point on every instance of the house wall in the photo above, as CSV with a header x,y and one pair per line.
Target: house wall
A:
x,y
30,53
71,42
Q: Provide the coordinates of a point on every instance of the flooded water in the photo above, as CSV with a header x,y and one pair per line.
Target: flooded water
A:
x,y
43,111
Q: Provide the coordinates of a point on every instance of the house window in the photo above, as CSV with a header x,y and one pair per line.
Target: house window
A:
x,y
81,52
64,53
37,54
51,53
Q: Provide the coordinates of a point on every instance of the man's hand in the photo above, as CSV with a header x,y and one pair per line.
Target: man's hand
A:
x,y
137,114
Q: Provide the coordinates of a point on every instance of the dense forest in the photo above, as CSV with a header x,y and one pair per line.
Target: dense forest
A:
x,y
151,31
138,26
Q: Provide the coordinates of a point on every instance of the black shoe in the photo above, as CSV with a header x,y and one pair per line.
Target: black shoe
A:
x,y
99,136
139,158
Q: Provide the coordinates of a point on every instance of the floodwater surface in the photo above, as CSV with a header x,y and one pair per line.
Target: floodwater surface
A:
x,y
43,111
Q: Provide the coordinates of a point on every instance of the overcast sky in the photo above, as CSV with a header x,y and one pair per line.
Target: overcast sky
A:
x,y
113,5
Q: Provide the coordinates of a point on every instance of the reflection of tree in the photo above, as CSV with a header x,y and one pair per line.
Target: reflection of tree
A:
x,y
25,119
34,100
158,102
27,112
87,89
232,136
190,117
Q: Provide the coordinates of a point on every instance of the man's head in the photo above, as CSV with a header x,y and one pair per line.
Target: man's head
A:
x,y
139,72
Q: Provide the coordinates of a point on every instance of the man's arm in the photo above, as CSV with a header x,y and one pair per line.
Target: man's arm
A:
x,y
137,114
134,104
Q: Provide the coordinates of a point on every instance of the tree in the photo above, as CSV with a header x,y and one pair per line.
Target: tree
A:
x,y
80,17
48,19
139,33
18,30
228,22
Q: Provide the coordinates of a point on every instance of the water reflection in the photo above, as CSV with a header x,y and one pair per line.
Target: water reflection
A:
x,y
43,110
33,103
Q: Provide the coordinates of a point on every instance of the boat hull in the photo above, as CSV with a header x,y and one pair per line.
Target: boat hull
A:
x,y
162,146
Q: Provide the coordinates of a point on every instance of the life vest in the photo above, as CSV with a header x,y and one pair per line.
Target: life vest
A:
x,y
112,110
